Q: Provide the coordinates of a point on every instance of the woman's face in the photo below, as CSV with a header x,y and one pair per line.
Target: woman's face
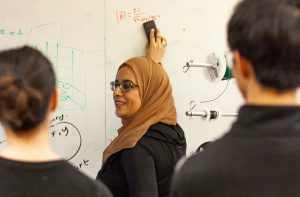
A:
x,y
127,102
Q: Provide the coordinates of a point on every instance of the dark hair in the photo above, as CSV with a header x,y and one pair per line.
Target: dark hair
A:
x,y
295,3
267,33
27,81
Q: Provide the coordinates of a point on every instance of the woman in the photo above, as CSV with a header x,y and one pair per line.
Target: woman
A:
x,y
28,166
141,159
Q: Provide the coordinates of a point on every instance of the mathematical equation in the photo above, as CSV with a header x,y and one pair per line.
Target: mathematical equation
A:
x,y
6,32
136,15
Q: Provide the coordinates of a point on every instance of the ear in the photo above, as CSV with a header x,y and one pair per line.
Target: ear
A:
x,y
54,100
242,65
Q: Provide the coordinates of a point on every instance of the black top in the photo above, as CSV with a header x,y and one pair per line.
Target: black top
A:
x,y
146,169
259,156
46,179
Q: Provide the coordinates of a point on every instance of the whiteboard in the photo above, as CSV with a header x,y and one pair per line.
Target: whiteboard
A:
x,y
87,41
194,29
71,34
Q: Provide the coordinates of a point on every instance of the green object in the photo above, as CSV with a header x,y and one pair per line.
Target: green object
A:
x,y
228,74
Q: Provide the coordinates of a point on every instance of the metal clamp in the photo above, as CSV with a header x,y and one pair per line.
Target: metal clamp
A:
x,y
210,114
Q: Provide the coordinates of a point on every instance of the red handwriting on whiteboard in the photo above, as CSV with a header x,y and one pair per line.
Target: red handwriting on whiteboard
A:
x,y
136,15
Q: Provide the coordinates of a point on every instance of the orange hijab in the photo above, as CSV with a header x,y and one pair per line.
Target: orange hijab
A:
x,y
157,104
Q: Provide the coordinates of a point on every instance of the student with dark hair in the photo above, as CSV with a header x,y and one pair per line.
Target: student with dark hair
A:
x,y
260,155
28,166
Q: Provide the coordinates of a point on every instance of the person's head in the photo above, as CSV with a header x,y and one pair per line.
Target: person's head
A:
x,y
138,82
264,36
27,87
126,93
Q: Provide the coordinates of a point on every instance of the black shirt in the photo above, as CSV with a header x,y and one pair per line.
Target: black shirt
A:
x,y
46,179
146,169
259,156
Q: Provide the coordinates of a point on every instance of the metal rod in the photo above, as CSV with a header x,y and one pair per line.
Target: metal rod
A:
x,y
195,64
203,114
189,113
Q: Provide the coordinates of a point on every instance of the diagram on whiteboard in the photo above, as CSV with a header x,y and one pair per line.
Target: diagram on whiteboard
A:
x,y
66,133
68,63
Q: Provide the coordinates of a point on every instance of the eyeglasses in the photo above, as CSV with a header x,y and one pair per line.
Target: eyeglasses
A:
x,y
125,86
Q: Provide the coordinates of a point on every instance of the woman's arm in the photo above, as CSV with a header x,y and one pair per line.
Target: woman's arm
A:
x,y
156,49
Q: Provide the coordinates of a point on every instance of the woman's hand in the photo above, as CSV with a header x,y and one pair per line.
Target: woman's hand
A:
x,y
156,49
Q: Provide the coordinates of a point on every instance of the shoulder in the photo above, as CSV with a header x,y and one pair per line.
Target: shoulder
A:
x,y
213,161
166,133
188,178
200,164
190,166
196,176
165,127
